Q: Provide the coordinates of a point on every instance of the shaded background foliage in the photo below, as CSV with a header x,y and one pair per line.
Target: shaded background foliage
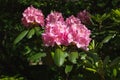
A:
x,y
13,59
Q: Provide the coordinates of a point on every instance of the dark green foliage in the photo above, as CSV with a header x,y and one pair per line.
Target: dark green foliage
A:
x,y
102,62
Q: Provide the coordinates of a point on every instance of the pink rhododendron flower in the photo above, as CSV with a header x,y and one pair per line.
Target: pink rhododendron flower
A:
x,y
69,32
78,34
32,15
72,20
53,17
84,16
55,34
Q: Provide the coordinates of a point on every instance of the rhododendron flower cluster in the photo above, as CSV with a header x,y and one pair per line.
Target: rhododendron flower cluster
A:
x,y
31,16
55,34
56,30
84,16
54,17
78,33
69,32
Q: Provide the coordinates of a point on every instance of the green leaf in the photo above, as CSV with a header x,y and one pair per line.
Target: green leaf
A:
x,y
96,17
115,61
73,56
36,57
68,68
83,55
92,45
117,12
59,57
27,50
106,40
91,69
106,61
114,72
93,57
88,63
20,36
38,31
31,33
104,16
52,54
100,64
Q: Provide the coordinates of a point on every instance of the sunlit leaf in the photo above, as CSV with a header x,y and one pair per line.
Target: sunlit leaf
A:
x,y
36,57
106,39
104,16
68,68
20,36
114,72
59,57
91,69
117,12
73,56
31,33
82,55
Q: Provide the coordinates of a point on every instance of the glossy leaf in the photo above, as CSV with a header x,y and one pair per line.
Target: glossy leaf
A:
x,y
82,55
91,69
20,36
114,72
104,16
36,57
68,68
106,40
59,57
117,12
73,56
31,33
92,45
